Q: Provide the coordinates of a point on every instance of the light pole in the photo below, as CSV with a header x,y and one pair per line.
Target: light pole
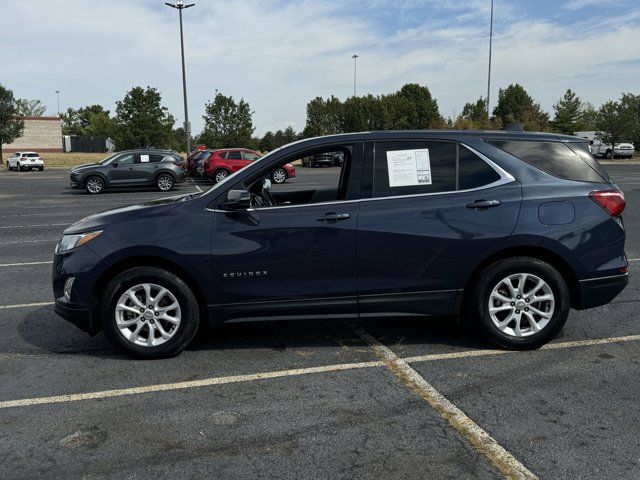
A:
x,y
490,48
180,5
58,96
355,69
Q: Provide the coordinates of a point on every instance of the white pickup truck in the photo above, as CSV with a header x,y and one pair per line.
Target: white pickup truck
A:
x,y
600,149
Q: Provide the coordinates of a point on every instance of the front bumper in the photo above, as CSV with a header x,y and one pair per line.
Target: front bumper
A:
x,y
78,315
595,292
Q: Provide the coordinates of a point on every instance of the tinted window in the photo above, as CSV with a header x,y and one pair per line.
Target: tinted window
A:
x,y
157,158
125,159
406,168
30,155
234,155
442,172
473,172
582,150
250,156
552,157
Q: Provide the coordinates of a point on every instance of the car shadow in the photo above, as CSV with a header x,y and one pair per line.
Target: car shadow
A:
x,y
49,333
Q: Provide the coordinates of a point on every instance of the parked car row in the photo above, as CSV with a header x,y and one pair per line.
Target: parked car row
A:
x,y
216,165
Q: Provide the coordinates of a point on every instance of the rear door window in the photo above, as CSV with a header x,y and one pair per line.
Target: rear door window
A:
x,y
419,167
555,158
234,155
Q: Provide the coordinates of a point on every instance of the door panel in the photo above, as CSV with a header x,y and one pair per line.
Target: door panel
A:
x,y
289,255
415,249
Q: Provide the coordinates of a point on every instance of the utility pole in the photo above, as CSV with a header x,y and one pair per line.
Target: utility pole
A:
x,y
58,96
490,48
355,69
180,5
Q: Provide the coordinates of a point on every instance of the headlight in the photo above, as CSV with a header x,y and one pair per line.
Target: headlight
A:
x,y
72,241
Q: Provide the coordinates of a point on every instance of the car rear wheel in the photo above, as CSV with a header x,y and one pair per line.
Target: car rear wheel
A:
x,y
220,175
19,167
94,185
150,313
41,168
279,175
520,303
164,182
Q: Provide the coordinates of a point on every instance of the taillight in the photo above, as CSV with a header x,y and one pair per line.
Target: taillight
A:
x,y
612,201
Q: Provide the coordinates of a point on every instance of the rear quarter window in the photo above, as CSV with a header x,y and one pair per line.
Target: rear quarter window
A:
x,y
554,158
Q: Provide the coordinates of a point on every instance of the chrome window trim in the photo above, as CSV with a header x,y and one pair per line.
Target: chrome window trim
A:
x,y
505,178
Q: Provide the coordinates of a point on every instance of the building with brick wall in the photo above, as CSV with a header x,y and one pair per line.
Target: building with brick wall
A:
x,y
41,134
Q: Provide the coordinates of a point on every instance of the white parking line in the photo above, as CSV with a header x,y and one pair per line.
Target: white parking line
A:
x,y
24,264
467,428
24,305
184,385
31,241
633,259
41,225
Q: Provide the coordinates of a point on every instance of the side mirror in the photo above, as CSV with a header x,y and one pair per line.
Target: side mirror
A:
x,y
266,184
114,164
237,200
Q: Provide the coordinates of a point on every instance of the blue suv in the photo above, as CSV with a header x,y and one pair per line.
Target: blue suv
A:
x,y
507,229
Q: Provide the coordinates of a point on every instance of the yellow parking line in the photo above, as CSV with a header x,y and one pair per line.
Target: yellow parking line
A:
x,y
275,374
467,428
24,305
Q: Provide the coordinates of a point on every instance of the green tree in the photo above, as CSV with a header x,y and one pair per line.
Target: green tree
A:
x,y
515,105
588,117
227,123
30,108
71,122
267,142
324,117
611,122
141,120
11,126
421,109
630,112
568,112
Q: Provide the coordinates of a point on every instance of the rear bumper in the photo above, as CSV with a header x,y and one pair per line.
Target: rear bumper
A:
x,y
595,292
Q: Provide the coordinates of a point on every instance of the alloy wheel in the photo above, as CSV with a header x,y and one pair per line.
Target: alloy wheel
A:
x,y
94,185
148,315
279,176
165,183
221,175
521,305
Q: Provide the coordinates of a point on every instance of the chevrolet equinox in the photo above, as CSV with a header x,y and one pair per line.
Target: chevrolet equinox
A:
x,y
508,230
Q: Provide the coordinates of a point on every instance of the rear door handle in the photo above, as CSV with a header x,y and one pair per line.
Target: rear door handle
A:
x,y
483,204
334,217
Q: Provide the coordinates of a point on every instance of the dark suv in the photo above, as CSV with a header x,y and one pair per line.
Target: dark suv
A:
x,y
132,168
508,230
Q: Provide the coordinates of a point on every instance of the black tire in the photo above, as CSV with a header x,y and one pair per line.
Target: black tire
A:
x,y
18,167
219,175
279,175
190,311
41,168
165,182
477,311
94,184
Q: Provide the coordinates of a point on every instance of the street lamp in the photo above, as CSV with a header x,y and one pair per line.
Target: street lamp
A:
x,y
355,67
180,5
58,96
490,47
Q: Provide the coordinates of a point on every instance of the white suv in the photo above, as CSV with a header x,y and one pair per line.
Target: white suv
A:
x,y
25,161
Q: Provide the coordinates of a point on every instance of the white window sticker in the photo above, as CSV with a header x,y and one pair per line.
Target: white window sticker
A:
x,y
144,158
409,167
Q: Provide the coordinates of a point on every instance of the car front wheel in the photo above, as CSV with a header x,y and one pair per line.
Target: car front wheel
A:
x,y
164,182
94,185
220,175
150,313
279,175
520,303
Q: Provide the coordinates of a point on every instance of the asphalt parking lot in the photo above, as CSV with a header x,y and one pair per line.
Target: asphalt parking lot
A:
x,y
392,398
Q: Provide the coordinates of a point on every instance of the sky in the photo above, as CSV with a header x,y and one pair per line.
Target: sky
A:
x,y
279,54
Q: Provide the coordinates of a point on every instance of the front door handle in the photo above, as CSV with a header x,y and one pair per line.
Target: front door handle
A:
x,y
483,204
334,217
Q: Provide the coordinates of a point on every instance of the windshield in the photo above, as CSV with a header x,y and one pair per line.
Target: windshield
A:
x,y
108,159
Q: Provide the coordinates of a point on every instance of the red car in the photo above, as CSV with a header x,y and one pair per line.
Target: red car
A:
x,y
222,163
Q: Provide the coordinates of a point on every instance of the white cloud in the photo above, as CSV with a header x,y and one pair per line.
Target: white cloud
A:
x,y
580,4
280,55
